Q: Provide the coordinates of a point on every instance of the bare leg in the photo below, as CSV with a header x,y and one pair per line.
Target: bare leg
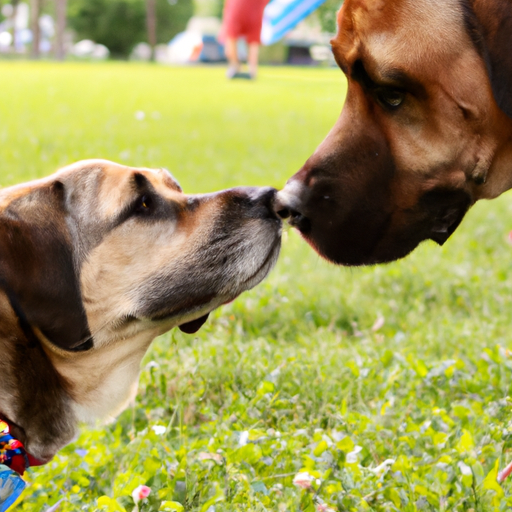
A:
x,y
253,59
232,56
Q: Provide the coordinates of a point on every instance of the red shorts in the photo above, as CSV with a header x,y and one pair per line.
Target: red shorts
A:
x,y
243,18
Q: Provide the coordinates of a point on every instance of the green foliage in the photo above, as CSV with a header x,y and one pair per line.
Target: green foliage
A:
x,y
389,386
327,14
208,8
121,24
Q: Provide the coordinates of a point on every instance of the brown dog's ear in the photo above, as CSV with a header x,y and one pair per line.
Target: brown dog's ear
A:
x,y
489,23
37,268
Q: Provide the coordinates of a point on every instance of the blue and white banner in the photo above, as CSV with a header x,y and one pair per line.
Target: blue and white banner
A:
x,y
281,16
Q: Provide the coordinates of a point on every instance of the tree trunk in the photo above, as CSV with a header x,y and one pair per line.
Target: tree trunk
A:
x,y
13,22
60,50
151,25
36,32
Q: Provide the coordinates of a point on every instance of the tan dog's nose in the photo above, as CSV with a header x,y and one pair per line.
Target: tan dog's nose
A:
x,y
261,200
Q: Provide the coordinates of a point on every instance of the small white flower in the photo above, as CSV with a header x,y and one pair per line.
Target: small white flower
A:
x,y
303,480
217,457
382,468
337,436
140,115
379,323
464,468
352,456
140,493
244,437
323,507
159,430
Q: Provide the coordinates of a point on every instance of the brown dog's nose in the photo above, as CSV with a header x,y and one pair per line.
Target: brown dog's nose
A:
x,y
288,203
281,208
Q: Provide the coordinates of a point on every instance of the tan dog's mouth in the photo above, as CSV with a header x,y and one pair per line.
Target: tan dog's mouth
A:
x,y
194,325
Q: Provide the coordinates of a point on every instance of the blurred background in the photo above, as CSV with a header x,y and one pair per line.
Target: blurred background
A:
x,y
320,369
167,31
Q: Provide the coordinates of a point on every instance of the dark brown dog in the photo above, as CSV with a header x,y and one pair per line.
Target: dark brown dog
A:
x,y
425,132
95,262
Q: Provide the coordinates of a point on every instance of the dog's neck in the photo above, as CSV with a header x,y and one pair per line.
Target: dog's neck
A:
x,y
103,381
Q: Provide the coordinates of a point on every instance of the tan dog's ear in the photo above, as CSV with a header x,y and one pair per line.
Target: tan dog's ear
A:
x,y
37,268
489,23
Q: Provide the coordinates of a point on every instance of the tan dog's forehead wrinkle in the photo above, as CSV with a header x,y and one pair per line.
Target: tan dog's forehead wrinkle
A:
x,y
116,188
169,180
99,195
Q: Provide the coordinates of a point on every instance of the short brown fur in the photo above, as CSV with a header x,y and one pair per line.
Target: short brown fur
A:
x,y
390,175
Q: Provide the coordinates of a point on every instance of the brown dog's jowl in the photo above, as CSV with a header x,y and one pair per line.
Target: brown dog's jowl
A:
x,y
425,132
95,262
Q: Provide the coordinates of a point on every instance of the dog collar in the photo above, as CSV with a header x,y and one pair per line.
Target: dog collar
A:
x,y
13,453
14,460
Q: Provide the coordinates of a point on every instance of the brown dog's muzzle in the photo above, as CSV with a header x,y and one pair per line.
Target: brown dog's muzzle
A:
x,y
363,215
341,211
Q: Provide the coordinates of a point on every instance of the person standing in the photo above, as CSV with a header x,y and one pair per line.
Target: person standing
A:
x,y
242,18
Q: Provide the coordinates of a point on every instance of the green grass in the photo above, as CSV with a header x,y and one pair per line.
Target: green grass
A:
x,y
299,363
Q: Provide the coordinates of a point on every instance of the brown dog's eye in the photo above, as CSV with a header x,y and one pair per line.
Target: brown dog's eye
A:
x,y
390,98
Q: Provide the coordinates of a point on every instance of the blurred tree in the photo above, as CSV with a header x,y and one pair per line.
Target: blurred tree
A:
x,y
208,7
35,12
121,24
327,14
151,25
14,15
60,28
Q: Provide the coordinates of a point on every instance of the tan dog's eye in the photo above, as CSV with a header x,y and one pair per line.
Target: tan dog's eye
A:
x,y
390,98
143,204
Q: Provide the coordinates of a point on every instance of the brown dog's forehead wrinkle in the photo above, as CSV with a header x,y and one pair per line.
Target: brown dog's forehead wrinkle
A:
x,y
407,32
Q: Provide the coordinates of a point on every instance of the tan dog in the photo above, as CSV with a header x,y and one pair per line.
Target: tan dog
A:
x,y
425,132
95,262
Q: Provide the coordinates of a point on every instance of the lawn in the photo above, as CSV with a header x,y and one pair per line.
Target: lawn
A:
x,y
389,386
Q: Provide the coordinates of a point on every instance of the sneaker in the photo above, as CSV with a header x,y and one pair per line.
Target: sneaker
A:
x,y
245,76
231,72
